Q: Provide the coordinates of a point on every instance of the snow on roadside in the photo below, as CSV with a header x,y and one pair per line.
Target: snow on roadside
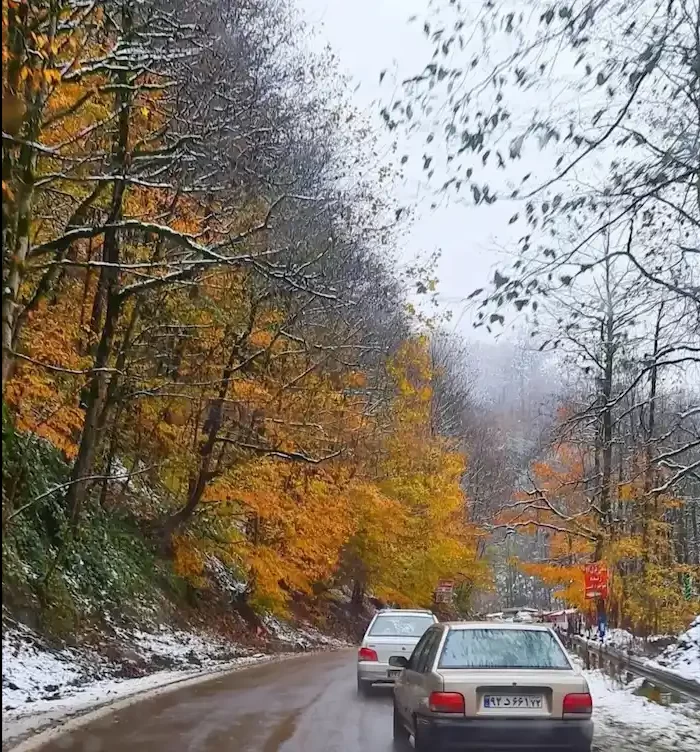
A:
x,y
683,658
105,695
304,636
626,722
35,673
621,639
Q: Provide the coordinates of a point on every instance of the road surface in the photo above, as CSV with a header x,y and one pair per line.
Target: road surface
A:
x,y
308,704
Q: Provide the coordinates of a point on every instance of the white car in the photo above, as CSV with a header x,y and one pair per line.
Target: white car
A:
x,y
479,686
392,632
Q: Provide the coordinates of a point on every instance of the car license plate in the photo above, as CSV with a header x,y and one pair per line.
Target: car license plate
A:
x,y
394,673
513,702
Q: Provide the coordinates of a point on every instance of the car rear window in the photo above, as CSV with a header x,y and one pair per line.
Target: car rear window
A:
x,y
397,625
502,648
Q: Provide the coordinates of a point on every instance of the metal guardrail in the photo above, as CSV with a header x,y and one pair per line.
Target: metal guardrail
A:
x,y
623,662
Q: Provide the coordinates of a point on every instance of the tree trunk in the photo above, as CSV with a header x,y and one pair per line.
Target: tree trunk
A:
x,y
358,594
212,426
96,401
21,175
649,431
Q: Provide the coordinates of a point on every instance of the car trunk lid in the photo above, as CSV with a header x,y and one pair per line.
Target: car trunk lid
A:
x,y
386,646
522,693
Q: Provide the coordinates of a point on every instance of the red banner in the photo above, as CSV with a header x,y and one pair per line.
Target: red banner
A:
x,y
596,581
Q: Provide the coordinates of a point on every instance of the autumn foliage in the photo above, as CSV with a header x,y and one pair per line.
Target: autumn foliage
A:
x,y
195,299
635,543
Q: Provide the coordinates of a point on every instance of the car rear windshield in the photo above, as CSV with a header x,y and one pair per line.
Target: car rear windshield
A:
x,y
399,625
502,648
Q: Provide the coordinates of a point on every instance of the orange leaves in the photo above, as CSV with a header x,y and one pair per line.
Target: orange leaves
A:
x,y
394,505
356,379
47,401
261,338
296,519
188,558
566,579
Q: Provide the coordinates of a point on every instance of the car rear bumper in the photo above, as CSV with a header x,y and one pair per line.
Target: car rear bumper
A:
x,y
505,735
373,671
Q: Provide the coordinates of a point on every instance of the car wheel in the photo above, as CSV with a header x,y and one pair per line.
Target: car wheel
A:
x,y
362,687
400,732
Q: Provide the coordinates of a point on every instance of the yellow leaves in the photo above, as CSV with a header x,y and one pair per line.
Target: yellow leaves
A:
x,y
52,76
626,492
654,599
626,547
261,338
410,518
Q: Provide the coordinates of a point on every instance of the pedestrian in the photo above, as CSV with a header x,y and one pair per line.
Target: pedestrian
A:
x,y
602,624
570,629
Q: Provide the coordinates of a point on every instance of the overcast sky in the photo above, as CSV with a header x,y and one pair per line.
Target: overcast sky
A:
x,y
369,36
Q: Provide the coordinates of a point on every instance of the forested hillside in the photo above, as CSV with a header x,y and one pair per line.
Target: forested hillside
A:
x,y
214,366
208,358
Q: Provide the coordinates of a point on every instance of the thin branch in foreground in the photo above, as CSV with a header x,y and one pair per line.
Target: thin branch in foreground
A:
x,y
295,456
62,486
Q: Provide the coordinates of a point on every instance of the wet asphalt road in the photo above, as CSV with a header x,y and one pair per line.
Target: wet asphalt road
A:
x,y
307,704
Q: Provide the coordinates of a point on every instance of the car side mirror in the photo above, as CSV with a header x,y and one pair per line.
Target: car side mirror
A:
x,y
398,661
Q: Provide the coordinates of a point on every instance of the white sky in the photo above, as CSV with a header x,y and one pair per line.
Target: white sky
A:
x,y
367,37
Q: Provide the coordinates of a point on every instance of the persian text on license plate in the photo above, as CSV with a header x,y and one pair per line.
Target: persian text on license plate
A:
x,y
513,702
394,673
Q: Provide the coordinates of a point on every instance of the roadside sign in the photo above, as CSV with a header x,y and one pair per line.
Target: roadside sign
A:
x,y
596,581
446,585
444,591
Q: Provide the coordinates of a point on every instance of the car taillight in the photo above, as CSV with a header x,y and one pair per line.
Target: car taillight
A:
x,y
578,703
446,702
367,654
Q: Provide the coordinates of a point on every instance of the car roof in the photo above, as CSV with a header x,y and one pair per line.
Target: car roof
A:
x,y
418,611
497,625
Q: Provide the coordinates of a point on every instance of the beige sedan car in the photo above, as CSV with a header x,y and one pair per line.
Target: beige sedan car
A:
x,y
482,686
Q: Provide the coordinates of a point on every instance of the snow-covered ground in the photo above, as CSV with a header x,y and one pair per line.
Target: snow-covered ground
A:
x,y
43,684
626,722
683,657
34,672
303,636
621,639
